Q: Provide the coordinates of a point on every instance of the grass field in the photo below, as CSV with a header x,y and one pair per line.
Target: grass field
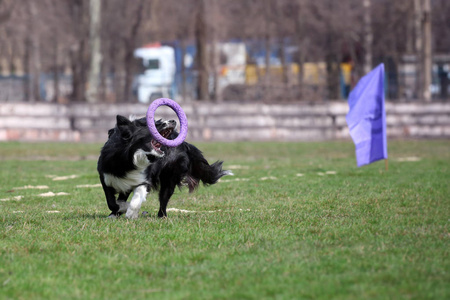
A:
x,y
297,221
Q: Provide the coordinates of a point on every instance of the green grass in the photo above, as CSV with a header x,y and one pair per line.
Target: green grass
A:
x,y
302,233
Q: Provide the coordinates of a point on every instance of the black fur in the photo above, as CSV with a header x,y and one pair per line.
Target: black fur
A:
x,y
178,166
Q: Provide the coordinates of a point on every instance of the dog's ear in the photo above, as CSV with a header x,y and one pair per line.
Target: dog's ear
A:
x,y
122,121
141,122
124,126
110,132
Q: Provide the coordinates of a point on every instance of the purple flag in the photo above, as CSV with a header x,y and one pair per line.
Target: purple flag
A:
x,y
366,118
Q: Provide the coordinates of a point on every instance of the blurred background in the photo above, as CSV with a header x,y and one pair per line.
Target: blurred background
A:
x,y
118,51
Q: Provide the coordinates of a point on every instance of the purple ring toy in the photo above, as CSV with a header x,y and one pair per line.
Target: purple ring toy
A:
x,y
181,116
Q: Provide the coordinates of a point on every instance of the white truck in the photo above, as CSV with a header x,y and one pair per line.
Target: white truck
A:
x,y
157,78
160,69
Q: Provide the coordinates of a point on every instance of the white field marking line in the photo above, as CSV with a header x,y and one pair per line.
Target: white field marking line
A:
x,y
17,198
180,210
89,185
275,178
191,211
234,179
409,158
48,211
172,209
237,167
327,173
58,178
36,187
51,194
268,178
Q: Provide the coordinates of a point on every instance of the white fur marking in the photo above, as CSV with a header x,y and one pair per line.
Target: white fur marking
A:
x,y
127,183
139,196
132,178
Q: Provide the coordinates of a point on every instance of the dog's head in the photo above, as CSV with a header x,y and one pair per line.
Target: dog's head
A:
x,y
167,130
135,134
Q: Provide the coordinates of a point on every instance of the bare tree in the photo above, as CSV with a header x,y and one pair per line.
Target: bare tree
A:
x,y
96,56
6,8
368,36
427,55
41,37
202,57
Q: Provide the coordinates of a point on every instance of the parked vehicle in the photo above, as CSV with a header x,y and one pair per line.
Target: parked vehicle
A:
x,y
158,72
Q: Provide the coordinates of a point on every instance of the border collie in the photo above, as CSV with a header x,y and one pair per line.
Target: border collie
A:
x,y
132,161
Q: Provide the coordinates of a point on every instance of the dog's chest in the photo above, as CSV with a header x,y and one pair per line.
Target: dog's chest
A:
x,y
132,178
125,184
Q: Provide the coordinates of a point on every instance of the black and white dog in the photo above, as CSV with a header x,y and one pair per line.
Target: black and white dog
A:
x,y
132,161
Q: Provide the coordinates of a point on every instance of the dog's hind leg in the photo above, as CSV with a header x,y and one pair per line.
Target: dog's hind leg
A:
x,y
122,201
139,196
165,192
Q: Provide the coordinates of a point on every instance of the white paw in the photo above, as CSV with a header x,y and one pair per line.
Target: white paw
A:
x,y
132,214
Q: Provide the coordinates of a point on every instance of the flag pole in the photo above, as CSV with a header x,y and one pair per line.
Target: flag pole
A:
x,y
386,164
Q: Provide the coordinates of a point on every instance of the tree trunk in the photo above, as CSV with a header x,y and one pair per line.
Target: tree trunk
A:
x,y
130,45
419,47
368,36
301,72
78,72
301,44
55,69
200,36
333,73
284,64
96,56
77,54
183,70
35,55
27,62
427,55
215,55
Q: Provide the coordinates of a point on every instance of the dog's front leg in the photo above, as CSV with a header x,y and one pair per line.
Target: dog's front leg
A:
x,y
139,196
110,195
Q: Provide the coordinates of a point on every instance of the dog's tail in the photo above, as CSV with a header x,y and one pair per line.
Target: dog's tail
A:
x,y
202,170
210,174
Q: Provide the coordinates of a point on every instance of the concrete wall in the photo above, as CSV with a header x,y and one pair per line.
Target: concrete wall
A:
x,y
218,122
